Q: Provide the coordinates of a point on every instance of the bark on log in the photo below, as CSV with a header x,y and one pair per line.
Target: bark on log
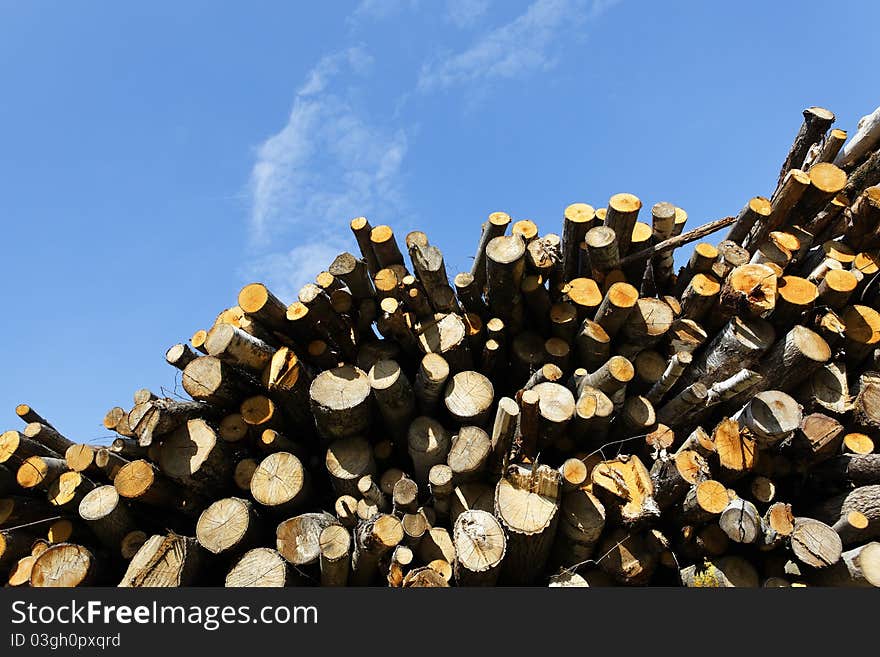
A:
x,y
817,121
527,505
373,539
346,461
107,516
210,380
341,403
770,417
297,539
621,216
47,436
334,543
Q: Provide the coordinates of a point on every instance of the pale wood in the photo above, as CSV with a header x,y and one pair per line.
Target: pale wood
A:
x,y
280,482
468,398
480,545
229,525
164,561
528,509
297,539
261,567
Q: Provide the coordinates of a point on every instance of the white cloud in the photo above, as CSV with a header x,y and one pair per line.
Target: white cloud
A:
x,y
524,45
464,13
286,272
329,163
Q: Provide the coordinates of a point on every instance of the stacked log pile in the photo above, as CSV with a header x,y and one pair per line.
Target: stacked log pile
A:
x,y
571,411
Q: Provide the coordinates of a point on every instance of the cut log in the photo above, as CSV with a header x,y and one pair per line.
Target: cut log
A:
x,y
468,453
602,250
756,210
505,266
628,492
298,538
430,382
373,539
64,565
480,546
864,499
394,397
815,544
581,521
468,398
793,359
619,302
621,216
704,501
817,121
66,492
16,448
673,476
280,482
494,227
446,336
770,417
165,561
577,220
796,297
502,438
346,461
334,544
107,516
405,496
441,487
340,402
229,525
260,568
39,472
210,380
193,457
527,506
736,449
741,521
818,438
629,557
857,567
47,436
862,332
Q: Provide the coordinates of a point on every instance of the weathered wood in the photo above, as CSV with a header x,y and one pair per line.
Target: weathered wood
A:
x,y
165,561
297,539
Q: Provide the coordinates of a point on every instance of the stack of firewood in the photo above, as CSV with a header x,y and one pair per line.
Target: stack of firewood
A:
x,y
572,411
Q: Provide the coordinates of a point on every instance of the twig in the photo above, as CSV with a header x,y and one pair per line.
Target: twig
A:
x,y
675,242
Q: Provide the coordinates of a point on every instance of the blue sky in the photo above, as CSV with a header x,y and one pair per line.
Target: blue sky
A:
x,y
157,156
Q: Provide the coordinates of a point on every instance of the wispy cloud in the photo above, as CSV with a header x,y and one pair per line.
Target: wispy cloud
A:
x,y
328,164
465,13
525,45
380,9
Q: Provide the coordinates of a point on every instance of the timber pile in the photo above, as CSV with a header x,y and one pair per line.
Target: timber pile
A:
x,y
571,411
